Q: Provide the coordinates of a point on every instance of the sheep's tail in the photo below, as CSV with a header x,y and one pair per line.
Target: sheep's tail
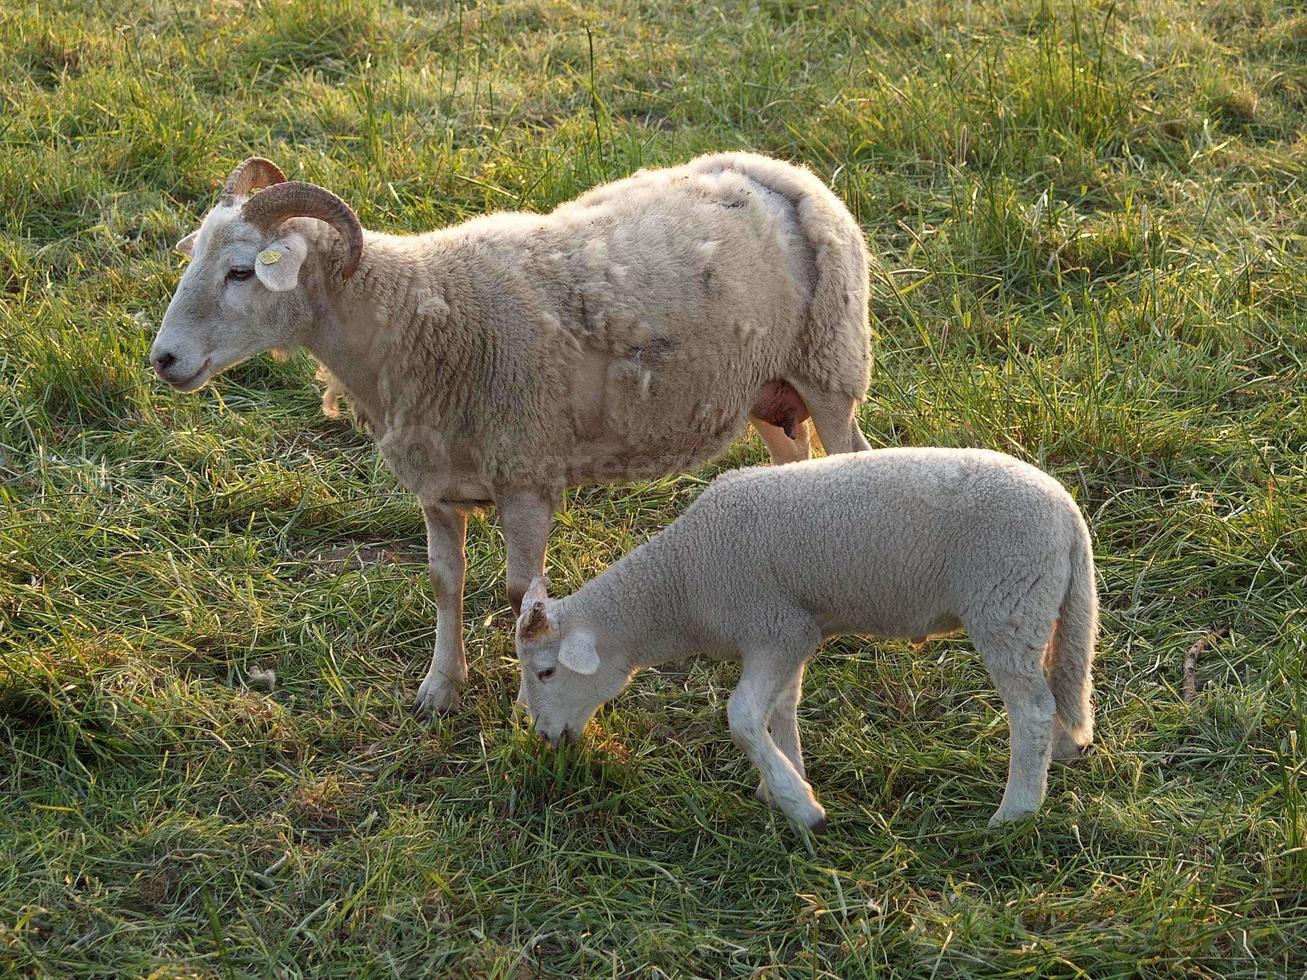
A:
x,y
839,339
1071,655
838,316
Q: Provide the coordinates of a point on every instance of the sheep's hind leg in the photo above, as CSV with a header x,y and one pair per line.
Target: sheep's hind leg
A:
x,y
764,676
835,418
784,727
446,558
1015,666
781,447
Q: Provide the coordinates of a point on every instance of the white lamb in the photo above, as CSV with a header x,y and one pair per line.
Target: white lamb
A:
x,y
627,334
769,562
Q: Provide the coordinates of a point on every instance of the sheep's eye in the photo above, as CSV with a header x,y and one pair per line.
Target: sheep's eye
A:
x,y
239,275
545,674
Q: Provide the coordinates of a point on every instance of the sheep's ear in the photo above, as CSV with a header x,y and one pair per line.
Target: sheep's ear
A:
x,y
187,245
278,265
577,652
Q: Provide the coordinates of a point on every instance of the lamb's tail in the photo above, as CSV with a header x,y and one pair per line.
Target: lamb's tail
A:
x,y
1071,655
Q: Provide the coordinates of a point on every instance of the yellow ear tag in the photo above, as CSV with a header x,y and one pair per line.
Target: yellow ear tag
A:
x,y
269,256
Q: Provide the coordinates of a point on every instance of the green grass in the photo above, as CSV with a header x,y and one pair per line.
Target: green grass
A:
x,y
1092,221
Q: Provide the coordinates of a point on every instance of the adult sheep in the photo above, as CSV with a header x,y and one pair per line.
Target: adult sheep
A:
x,y
626,335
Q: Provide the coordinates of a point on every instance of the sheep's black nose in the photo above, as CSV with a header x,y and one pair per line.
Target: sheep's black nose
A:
x,y
164,361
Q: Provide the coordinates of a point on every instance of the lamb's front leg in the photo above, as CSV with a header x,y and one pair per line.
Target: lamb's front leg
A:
x,y
762,680
783,723
446,558
525,518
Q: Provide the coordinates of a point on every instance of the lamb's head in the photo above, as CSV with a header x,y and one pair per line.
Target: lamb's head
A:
x,y
566,675
247,287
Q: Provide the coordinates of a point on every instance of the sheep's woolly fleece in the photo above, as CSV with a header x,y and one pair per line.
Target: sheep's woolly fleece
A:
x,y
626,334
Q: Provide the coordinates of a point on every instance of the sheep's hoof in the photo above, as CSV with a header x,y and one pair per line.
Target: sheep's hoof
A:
x,y
436,697
762,795
1067,749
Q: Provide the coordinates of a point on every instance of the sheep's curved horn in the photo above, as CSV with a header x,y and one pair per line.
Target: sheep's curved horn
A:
x,y
296,199
253,172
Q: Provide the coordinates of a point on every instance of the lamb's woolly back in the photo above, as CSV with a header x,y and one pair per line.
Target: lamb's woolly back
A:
x,y
922,534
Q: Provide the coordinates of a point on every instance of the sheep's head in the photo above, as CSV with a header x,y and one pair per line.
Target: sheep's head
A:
x,y
564,676
245,289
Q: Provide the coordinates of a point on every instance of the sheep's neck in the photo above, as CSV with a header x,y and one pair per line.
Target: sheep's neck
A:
x,y
354,329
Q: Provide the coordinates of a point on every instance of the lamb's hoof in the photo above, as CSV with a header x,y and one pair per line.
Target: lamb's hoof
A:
x,y
810,815
762,795
1002,817
436,696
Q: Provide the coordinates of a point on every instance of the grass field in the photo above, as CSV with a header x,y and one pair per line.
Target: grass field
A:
x,y
1092,221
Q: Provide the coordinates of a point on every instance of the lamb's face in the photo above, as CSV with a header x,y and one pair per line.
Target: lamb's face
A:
x,y
240,296
565,676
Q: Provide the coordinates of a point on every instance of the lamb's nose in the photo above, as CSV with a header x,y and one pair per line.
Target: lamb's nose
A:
x,y
163,362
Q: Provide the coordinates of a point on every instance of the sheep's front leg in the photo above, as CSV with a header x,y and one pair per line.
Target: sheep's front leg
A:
x,y
525,519
446,558
762,681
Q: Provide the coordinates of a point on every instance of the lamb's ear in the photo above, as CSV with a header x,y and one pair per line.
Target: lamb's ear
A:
x,y
534,620
577,652
533,623
187,245
537,591
278,265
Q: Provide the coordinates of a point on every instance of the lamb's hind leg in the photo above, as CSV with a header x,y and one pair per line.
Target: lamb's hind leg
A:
x,y
835,417
1015,665
446,558
781,447
1066,748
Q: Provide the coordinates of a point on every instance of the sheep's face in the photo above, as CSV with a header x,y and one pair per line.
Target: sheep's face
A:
x,y
240,295
565,675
